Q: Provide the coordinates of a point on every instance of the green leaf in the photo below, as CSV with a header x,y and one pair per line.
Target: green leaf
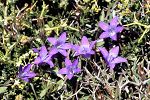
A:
x,y
60,84
99,43
1,54
3,89
43,92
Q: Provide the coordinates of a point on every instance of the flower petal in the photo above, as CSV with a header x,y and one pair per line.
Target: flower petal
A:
x,y
35,50
84,41
91,52
77,70
104,52
66,46
48,61
53,51
118,29
67,62
114,51
52,40
63,71
62,37
119,60
104,35
43,52
25,79
75,63
20,69
92,44
37,60
86,55
114,22
103,26
112,65
30,75
63,52
69,76
27,68
75,47
114,37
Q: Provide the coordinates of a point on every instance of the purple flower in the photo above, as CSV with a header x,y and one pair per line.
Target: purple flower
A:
x,y
44,57
59,45
112,57
25,73
70,69
111,30
85,49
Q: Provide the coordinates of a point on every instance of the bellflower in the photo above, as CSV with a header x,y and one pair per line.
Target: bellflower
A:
x,y
112,57
59,45
25,73
85,48
44,56
70,69
110,30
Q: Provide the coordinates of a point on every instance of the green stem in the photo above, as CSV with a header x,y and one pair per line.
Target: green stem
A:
x,y
146,31
137,23
147,28
33,91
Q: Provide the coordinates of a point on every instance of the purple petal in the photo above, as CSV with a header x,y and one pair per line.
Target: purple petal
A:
x,y
86,55
103,26
114,51
75,47
75,63
91,52
52,40
104,35
92,44
53,51
114,22
37,60
114,37
25,79
77,53
66,46
30,75
119,60
35,50
67,62
84,41
63,71
63,52
112,65
27,68
50,63
62,37
20,69
118,29
43,52
77,70
69,76
104,52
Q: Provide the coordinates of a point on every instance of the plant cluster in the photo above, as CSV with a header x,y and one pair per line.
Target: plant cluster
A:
x,y
85,50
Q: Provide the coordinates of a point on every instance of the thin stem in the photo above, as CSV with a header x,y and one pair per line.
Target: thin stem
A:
x,y
146,31
34,91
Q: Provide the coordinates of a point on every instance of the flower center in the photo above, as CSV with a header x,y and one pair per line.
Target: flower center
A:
x,y
58,44
112,32
111,57
84,49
